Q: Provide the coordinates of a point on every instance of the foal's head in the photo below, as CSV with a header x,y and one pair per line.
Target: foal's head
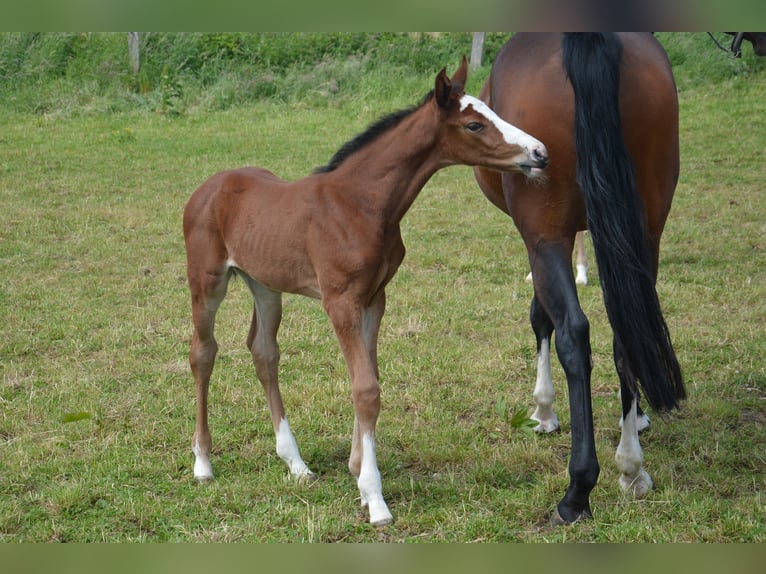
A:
x,y
473,134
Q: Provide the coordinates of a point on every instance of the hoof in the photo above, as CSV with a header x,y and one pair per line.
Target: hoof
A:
x,y
382,521
306,477
547,425
380,515
557,520
639,486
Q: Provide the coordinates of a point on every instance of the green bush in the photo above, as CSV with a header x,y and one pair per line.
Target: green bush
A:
x,y
75,73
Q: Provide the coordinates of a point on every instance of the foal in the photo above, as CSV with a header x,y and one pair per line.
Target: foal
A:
x,y
333,236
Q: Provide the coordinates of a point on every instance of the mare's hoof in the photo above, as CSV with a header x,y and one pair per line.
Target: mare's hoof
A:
x,y
639,486
381,522
557,520
547,427
307,478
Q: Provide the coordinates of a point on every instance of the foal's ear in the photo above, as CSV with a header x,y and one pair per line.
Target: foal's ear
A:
x,y
442,88
460,76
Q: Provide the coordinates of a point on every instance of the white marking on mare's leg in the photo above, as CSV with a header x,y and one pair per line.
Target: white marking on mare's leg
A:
x,y
544,392
630,458
287,449
582,259
370,486
582,274
203,470
642,422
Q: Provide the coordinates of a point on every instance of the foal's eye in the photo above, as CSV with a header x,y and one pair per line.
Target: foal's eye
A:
x,y
474,127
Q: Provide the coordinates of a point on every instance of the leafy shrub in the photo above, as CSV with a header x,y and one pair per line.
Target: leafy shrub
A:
x,y
73,73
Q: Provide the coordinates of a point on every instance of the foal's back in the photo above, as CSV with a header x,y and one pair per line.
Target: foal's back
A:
x,y
251,220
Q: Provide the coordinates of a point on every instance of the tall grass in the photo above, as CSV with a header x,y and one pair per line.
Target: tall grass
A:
x,y
81,73
96,398
76,73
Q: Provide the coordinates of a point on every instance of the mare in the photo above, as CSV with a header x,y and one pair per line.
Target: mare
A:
x,y
612,136
335,236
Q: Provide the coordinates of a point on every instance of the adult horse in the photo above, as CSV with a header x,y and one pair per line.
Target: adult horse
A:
x,y
606,106
757,39
334,236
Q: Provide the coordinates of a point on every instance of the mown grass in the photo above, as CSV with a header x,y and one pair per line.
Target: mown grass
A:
x,y
97,403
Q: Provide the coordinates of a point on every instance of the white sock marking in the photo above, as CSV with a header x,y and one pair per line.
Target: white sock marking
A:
x,y
370,486
630,458
203,470
544,392
582,274
287,449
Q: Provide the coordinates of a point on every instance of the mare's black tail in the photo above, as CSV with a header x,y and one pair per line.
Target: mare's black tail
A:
x,y
607,180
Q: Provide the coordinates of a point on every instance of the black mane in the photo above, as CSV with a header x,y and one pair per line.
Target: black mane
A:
x,y
370,134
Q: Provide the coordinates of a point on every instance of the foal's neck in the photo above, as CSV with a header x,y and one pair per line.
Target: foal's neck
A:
x,y
387,174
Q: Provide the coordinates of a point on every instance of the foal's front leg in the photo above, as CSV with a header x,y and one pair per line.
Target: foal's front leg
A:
x,y
357,332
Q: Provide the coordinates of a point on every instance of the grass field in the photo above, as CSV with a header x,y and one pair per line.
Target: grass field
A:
x,y
97,401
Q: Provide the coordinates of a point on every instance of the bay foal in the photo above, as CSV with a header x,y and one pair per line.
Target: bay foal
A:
x,y
333,236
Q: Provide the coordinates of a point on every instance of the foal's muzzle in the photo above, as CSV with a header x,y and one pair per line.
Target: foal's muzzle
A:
x,y
539,156
537,161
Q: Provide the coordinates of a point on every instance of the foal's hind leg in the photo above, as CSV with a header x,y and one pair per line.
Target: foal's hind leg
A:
x,y
262,342
544,393
207,290
629,457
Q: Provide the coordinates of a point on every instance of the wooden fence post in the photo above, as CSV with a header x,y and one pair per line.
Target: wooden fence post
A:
x,y
477,48
133,50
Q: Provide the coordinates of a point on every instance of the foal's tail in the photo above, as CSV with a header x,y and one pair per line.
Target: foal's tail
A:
x,y
607,180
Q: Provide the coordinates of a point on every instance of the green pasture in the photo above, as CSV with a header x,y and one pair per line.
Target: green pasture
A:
x,y
96,397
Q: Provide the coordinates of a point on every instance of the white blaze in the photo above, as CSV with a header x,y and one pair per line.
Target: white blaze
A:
x,y
511,134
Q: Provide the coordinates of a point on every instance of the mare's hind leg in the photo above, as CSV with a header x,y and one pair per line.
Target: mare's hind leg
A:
x,y
581,263
642,419
556,291
544,392
207,290
629,457
262,342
